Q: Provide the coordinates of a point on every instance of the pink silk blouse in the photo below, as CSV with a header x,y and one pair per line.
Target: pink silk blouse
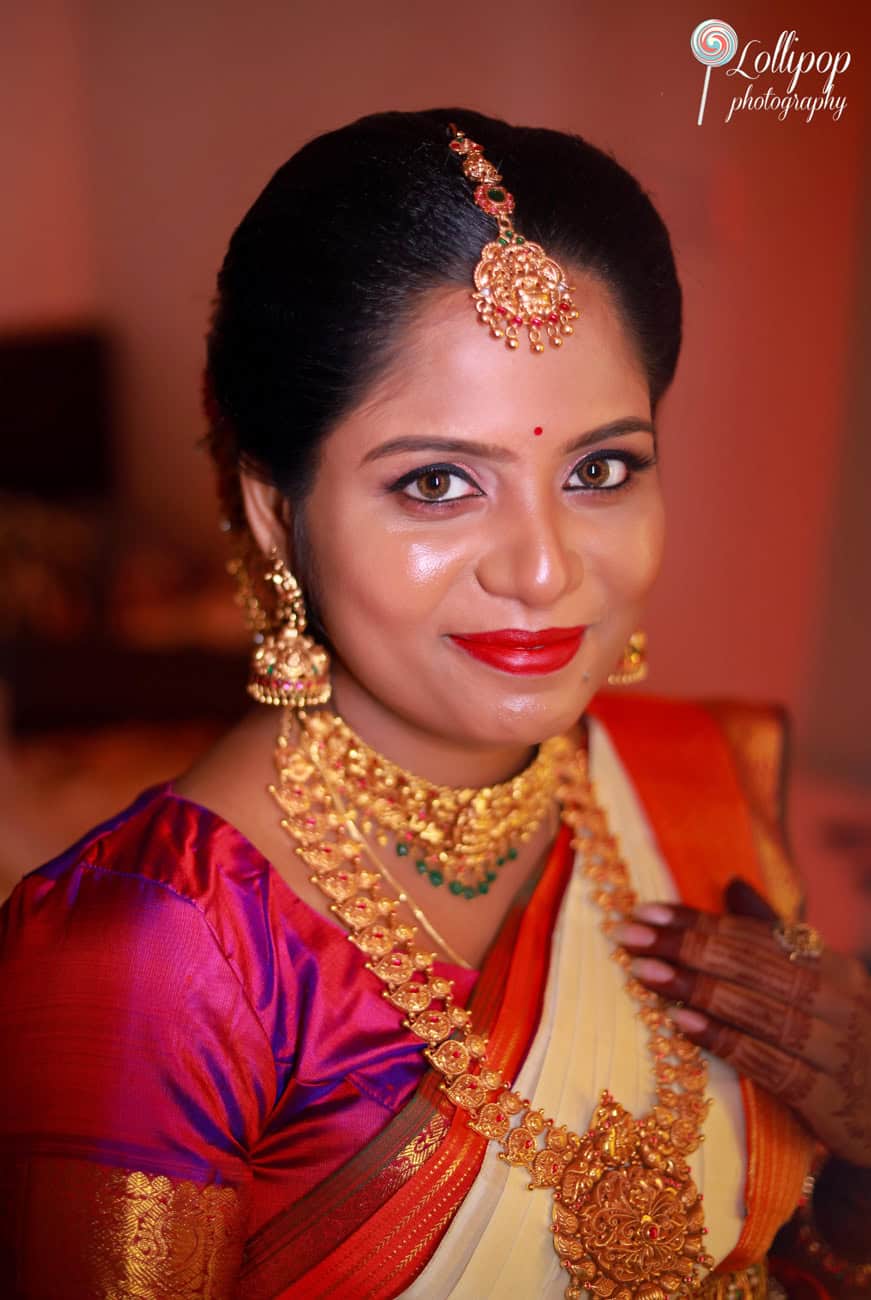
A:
x,y
169,1006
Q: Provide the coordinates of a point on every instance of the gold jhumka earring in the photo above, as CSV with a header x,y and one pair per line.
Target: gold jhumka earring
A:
x,y
517,285
632,666
287,666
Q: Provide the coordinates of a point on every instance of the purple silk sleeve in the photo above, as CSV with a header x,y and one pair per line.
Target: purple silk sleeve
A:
x,y
187,1049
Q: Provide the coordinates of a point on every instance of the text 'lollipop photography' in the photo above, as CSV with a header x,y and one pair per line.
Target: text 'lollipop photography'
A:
x,y
715,44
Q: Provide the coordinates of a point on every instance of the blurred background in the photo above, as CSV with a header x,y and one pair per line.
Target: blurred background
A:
x,y
133,139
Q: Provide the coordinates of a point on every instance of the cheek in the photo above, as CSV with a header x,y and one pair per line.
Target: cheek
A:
x,y
627,554
384,576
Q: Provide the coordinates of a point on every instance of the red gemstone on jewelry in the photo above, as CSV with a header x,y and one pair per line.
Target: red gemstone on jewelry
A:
x,y
518,320
553,316
653,1232
503,311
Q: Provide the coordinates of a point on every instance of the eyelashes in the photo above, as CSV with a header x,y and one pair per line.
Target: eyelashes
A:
x,y
601,473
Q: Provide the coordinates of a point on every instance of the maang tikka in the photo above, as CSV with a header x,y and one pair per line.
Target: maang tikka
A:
x,y
517,284
287,666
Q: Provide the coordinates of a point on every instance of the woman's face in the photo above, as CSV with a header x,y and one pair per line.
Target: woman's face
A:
x,y
476,491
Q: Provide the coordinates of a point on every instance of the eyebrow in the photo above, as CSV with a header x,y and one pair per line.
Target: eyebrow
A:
x,y
495,452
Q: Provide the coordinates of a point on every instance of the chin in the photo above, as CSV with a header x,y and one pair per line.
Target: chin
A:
x,y
528,720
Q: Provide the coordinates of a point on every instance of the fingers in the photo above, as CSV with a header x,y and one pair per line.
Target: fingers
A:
x,y
790,1027
744,951
838,1116
788,1077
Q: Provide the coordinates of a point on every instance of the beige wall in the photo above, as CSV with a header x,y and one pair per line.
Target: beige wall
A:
x,y
142,133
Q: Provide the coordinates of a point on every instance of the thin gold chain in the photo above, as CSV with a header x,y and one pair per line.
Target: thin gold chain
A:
x,y
401,892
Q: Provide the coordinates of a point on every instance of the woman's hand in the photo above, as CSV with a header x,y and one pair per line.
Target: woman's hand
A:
x,y
801,1029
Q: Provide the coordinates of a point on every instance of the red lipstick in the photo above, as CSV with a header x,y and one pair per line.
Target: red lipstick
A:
x,y
514,650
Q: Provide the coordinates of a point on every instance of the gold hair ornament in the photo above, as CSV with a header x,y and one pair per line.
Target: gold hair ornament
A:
x,y
517,284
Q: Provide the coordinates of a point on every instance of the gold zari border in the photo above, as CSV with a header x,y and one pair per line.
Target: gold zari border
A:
x,y
121,1234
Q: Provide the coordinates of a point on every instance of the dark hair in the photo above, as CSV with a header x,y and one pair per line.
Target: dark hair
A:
x,y
331,261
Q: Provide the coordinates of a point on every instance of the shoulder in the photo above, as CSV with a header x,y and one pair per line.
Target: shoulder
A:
x,y
160,893
670,731
693,758
160,846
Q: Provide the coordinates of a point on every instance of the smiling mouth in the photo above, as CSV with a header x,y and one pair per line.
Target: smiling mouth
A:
x,y
515,650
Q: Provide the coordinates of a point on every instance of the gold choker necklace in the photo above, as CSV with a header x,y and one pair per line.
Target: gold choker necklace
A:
x,y
457,837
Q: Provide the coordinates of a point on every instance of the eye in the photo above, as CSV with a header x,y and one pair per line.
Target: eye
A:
x,y
605,472
436,483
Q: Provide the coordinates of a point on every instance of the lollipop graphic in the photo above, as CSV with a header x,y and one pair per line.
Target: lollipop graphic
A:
x,y
713,43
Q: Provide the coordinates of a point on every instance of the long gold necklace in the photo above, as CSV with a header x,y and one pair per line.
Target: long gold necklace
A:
x,y
455,837
628,1221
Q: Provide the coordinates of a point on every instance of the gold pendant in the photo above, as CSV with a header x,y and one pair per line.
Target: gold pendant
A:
x,y
628,1222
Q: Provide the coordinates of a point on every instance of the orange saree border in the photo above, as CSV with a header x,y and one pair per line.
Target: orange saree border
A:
x,y
710,751
400,1226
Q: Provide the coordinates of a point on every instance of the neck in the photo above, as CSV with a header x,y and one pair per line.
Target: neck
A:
x,y
443,760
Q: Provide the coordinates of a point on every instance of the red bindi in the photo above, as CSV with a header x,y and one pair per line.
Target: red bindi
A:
x,y
537,430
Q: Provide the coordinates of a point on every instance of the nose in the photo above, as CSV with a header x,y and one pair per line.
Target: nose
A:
x,y
534,558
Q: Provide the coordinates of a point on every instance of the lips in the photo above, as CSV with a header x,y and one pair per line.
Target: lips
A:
x,y
515,650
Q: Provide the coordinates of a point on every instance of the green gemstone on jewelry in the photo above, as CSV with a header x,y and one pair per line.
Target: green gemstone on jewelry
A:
x,y
500,862
270,670
421,866
498,196
512,853
455,887
483,887
518,239
402,850
490,877
436,878
468,892
502,241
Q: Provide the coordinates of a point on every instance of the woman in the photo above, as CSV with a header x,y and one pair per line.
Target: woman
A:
x,y
444,548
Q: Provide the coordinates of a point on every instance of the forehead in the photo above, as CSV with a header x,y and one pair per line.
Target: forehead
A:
x,y
448,373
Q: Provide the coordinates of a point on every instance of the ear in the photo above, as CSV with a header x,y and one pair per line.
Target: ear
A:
x,y
268,513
